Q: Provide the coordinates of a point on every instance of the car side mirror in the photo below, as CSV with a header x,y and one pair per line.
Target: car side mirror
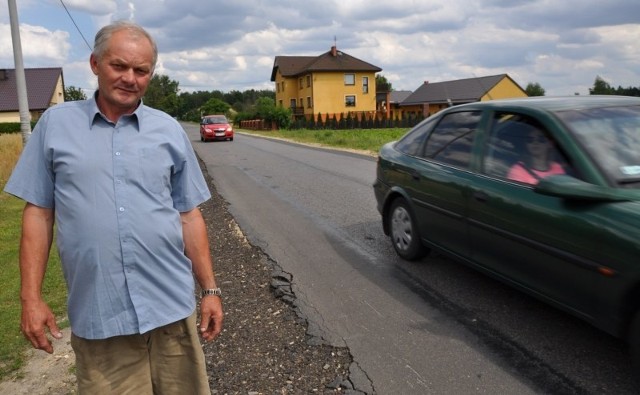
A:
x,y
571,188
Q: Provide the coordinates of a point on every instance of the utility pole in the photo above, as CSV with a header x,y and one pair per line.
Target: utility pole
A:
x,y
21,81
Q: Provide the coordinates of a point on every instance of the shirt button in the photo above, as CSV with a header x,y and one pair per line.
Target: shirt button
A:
x,y
121,209
117,153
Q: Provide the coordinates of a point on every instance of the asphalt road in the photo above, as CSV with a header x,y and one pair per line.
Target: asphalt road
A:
x,y
429,327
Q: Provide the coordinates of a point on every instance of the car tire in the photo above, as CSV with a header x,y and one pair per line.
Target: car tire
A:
x,y
403,231
201,138
634,345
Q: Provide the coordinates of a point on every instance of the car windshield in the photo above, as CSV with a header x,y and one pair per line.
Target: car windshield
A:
x,y
213,120
611,135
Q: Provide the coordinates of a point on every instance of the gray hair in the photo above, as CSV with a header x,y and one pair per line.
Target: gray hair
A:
x,y
104,34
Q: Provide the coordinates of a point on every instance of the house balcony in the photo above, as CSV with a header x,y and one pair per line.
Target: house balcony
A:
x,y
297,111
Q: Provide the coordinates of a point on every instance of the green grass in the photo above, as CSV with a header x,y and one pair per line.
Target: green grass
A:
x,y
12,344
369,140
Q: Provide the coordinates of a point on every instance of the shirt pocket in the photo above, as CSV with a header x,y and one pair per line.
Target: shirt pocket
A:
x,y
155,169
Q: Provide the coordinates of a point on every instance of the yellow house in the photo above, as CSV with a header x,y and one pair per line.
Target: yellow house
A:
x,y
45,88
430,98
332,83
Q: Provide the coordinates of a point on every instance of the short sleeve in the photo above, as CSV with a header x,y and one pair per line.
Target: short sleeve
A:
x,y
188,185
32,179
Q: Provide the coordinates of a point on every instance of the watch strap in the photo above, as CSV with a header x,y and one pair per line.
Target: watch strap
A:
x,y
211,291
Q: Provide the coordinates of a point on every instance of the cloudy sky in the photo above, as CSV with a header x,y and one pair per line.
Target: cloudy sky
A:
x,y
213,45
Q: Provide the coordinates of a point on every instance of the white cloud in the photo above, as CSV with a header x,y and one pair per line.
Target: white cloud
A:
x,y
40,47
231,46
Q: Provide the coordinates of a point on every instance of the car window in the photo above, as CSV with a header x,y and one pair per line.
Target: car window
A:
x,y
412,142
520,148
451,140
213,120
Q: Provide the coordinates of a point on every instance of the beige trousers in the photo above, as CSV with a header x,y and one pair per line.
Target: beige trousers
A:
x,y
165,361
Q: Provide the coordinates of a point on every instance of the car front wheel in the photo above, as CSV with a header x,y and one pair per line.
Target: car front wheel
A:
x,y
404,231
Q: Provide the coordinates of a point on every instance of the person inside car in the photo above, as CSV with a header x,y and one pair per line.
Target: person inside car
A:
x,y
538,161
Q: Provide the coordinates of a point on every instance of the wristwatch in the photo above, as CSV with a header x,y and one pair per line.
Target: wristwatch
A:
x,y
211,291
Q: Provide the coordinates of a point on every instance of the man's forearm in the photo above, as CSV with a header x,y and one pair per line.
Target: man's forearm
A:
x,y
197,247
35,244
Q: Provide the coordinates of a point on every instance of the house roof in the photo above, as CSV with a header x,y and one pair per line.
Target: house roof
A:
x,y
333,60
399,96
457,91
41,85
395,97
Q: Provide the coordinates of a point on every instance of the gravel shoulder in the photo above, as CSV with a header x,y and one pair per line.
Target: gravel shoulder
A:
x,y
264,348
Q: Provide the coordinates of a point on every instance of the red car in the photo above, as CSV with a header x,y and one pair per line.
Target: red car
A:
x,y
215,127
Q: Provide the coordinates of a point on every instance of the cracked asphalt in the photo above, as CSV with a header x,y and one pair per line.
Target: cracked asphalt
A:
x,y
266,346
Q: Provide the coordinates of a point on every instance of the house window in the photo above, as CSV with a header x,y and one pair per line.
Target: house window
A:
x,y
280,103
301,103
283,86
365,84
292,103
350,100
308,81
300,83
278,87
349,79
309,101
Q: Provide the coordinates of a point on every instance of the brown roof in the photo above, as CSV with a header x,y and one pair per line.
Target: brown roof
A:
x,y
41,84
457,91
333,60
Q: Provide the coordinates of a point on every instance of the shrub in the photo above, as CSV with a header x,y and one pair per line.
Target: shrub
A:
x,y
12,127
282,117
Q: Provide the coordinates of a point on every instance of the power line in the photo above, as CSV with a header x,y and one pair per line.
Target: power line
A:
x,y
74,23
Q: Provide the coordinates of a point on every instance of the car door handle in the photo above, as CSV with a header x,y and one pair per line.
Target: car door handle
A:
x,y
415,175
480,196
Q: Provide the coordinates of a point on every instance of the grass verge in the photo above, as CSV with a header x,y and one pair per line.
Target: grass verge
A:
x,y
12,344
369,140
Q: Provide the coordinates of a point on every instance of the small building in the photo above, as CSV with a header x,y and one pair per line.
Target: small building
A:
x,y
389,103
332,83
430,98
45,88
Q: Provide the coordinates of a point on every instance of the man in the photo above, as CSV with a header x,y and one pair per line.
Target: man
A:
x,y
122,183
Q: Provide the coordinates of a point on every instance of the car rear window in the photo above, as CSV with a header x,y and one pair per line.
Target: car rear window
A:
x,y
451,140
412,143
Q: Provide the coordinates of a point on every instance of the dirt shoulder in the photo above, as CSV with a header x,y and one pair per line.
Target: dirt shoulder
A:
x,y
45,374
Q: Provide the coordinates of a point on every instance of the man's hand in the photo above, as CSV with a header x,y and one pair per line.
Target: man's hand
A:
x,y
35,317
212,316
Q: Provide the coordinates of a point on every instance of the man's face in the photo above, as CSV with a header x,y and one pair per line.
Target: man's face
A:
x,y
124,72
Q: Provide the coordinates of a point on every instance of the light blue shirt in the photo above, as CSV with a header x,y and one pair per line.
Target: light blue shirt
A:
x,y
117,190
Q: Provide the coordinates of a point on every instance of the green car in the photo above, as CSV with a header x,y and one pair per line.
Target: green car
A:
x,y
541,193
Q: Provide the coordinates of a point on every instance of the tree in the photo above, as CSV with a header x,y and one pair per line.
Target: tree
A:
x,y
382,84
601,87
534,89
214,106
162,93
71,93
264,107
